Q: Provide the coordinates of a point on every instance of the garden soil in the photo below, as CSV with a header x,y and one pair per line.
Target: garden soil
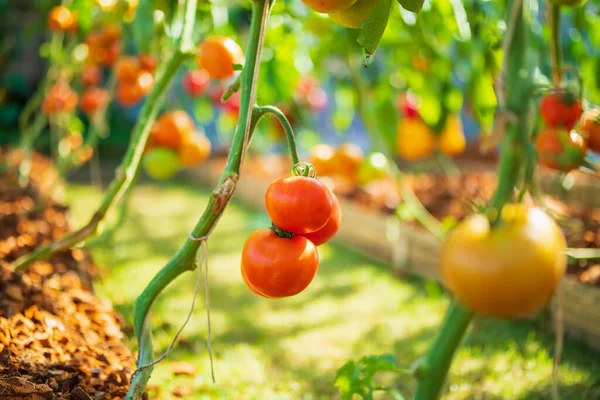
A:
x,y
57,339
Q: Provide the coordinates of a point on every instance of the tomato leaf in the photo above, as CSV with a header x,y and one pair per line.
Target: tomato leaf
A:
x,y
372,28
412,5
143,25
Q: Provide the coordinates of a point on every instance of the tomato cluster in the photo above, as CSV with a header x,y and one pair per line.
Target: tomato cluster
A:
x,y
135,78
415,140
509,269
559,146
104,45
173,144
282,261
60,99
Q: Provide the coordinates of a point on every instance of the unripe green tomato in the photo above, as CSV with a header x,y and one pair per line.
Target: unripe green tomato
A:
x,y
568,3
161,164
354,16
374,167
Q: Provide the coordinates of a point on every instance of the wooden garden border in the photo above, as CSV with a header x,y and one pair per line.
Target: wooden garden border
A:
x,y
410,249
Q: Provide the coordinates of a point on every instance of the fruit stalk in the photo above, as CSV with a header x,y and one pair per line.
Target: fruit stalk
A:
x,y
131,162
184,258
261,111
512,115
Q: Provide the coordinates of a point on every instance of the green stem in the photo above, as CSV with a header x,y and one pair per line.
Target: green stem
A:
x,y
183,259
555,48
259,112
432,372
131,162
519,72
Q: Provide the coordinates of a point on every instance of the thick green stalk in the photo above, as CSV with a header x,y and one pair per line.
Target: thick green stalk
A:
x,y
432,372
131,162
183,259
513,115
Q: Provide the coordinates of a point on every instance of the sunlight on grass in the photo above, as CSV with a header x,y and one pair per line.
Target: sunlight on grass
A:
x,y
291,348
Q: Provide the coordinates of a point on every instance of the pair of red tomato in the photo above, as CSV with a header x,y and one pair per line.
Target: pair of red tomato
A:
x,y
282,261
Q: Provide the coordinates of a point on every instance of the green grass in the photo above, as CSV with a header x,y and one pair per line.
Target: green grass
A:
x,y
291,349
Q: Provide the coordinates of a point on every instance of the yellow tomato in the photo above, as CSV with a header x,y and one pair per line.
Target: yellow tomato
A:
x,y
414,139
509,270
353,16
328,6
452,141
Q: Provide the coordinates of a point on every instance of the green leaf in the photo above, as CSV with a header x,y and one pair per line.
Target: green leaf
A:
x,y
381,363
412,5
372,28
84,10
344,377
143,25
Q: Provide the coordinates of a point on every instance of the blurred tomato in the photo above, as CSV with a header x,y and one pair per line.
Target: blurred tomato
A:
x,y
194,151
196,82
561,109
559,149
61,19
172,129
452,140
160,163
91,75
374,167
218,54
321,156
347,159
93,100
414,139
60,98
590,128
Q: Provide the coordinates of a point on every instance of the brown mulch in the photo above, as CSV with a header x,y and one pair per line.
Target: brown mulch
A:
x,y
57,339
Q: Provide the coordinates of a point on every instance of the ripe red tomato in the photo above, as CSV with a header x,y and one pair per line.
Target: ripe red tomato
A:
x,y
128,94
561,109
299,204
325,234
590,129
217,56
560,150
196,82
277,267
509,270
94,99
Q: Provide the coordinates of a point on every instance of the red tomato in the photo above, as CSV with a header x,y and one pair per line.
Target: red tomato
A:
x,y
91,75
559,149
590,128
94,99
560,110
299,204
324,234
196,82
277,267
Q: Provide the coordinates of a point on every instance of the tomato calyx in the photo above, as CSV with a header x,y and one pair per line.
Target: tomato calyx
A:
x,y
305,169
280,232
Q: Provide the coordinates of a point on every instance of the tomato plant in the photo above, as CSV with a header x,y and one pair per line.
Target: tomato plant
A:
x,y
277,267
509,269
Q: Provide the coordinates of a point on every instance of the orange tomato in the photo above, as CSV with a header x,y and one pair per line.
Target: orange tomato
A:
x,y
217,56
60,98
325,234
322,157
145,82
452,140
194,151
299,204
509,270
276,267
414,139
127,68
590,128
172,129
61,19
94,99
147,62
91,75
559,149
328,6
347,160
128,94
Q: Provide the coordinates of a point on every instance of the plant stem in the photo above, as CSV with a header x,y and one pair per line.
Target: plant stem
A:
x,y
131,162
432,373
555,48
519,71
183,259
259,112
